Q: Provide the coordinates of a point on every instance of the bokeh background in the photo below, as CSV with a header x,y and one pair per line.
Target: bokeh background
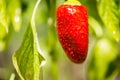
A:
x,y
103,59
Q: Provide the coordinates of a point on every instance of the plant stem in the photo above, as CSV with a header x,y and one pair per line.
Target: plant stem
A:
x,y
34,11
33,16
72,2
35,34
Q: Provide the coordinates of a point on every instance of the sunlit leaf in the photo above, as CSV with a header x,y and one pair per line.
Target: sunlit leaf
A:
x,y
3,19
109,13
119,10
14,8
3,31
28,59
105,51
95,25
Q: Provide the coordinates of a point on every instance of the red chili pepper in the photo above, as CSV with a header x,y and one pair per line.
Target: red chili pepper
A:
x,y
72,29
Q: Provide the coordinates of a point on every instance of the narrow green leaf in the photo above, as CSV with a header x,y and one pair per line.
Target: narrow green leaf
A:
x,y
27,59
109,13
95,25
3,19
14,7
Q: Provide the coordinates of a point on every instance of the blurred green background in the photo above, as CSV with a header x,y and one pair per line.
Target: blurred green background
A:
x,y
103,59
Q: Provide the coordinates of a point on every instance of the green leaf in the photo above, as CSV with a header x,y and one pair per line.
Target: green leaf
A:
x,y
105,51
119,10
3,20
14,7
95,25
28,59
109,13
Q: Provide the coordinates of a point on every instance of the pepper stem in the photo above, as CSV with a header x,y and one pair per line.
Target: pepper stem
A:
x,y
72,2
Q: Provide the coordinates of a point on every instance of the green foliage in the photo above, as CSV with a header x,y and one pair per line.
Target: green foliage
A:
x,y
101,60
108,11
103,64
4,22
14,8
27,59
95,26
104,45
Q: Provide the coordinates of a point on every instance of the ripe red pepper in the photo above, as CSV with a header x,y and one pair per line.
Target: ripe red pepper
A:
x,y
72,29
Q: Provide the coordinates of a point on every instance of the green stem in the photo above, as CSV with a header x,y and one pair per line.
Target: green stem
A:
x,y
72,2
35,34
33,15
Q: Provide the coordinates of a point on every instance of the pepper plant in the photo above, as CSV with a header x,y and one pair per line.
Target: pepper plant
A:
x,y
32,47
